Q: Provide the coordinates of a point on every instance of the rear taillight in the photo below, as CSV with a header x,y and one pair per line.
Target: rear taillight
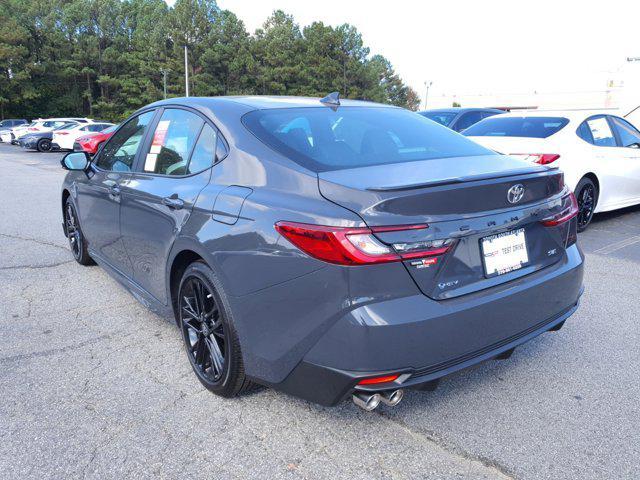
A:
x,y
540,158
62,133
357,246
568,210
32,129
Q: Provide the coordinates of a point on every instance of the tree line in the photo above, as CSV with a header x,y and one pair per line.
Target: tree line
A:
x,y
106,58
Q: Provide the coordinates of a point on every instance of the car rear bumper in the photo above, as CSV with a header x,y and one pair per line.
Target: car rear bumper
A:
x,y
424,340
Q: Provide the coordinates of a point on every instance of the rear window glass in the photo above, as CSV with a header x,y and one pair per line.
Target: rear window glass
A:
x,y
443,118
533,127
322,139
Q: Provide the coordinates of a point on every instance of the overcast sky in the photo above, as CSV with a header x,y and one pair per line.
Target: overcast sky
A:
x,y
480,46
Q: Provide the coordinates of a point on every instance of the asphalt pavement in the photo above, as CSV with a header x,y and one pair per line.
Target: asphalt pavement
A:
x,y
94,386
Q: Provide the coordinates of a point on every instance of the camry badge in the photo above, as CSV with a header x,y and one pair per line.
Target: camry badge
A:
x,y
515,193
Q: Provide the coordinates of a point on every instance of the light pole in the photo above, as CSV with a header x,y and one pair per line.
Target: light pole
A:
x,y
164,72
426,93
186,71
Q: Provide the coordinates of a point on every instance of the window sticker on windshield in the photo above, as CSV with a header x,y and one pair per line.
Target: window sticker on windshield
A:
x,y
600,128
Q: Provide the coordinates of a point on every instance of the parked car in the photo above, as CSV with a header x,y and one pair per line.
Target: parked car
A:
x,y
91,142
10,135
64,139
41,141
383,254
7,124
45,125
457,118
599,153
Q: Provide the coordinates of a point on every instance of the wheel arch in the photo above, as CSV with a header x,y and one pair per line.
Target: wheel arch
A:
x,y
184,253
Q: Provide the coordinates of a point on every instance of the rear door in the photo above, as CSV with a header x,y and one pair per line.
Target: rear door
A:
x,y
628,138
157,200
613,168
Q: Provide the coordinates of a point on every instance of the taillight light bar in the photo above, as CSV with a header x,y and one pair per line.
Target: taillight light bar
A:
x,y
540,158
569,210
377,380
357,246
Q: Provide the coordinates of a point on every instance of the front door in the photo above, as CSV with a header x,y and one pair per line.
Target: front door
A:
x,y
174,168
100,196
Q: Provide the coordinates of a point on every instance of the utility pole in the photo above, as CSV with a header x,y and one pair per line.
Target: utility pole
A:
x,y
186,71
164,72
426,93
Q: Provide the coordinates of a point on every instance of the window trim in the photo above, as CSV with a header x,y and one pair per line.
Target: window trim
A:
x,y
96,158
614,129
138,164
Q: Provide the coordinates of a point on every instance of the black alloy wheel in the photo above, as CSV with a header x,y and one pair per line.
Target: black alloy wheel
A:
x,y
203,330
44,145
74,234
586,195
210,339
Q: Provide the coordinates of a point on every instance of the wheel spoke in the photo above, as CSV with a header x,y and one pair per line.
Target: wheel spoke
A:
x,y
200,352
217,358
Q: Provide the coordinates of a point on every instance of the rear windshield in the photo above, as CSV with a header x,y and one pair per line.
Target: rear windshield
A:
x,y
322,139
533,127
443,118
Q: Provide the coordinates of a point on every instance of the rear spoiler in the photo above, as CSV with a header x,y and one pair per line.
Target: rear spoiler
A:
x,y
455,180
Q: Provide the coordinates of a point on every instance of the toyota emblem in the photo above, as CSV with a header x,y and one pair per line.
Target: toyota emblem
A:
x,y
515,193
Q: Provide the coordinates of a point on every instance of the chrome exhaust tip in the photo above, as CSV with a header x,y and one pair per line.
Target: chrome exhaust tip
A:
x,y
392,398
367,401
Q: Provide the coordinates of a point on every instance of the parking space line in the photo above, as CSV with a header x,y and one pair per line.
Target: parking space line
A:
x,y
613,247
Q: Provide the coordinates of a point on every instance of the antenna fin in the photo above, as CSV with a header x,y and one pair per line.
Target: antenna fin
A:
x,y
332,99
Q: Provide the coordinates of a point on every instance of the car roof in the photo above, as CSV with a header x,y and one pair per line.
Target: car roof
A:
x,y
258,102
461,110
572,115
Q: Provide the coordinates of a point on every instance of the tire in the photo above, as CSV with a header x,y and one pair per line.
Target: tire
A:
x,y
587,197
77,242
44,145
205,320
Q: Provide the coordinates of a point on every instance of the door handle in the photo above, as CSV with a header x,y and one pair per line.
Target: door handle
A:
x,y
173,202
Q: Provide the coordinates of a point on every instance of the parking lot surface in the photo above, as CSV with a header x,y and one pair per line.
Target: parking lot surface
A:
x,y
95,386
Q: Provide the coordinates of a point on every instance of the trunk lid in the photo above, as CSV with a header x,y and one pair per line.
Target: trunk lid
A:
x,y
462,199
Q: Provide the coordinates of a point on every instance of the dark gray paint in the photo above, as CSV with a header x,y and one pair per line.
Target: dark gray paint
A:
x,y
291,310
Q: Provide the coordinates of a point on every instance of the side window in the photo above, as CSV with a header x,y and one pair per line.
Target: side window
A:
x,y
204,152
629,136
120,151
173,140
601,132
584,132
467,120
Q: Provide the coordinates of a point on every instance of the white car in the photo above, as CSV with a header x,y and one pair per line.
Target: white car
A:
x,y
10,135
598,152
64,139
43,125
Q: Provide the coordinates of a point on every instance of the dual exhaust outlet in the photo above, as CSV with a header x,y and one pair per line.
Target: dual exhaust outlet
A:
x,y
370,401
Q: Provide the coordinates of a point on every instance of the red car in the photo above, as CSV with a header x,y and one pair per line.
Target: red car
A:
x,y
91,142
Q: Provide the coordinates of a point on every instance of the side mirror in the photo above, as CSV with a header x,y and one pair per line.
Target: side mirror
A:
x,y
75,161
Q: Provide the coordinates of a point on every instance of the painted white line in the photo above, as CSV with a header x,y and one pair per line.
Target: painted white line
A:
x,y
613,247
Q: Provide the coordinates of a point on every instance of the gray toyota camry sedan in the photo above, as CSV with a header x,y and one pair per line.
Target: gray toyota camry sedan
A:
x,y
326,248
